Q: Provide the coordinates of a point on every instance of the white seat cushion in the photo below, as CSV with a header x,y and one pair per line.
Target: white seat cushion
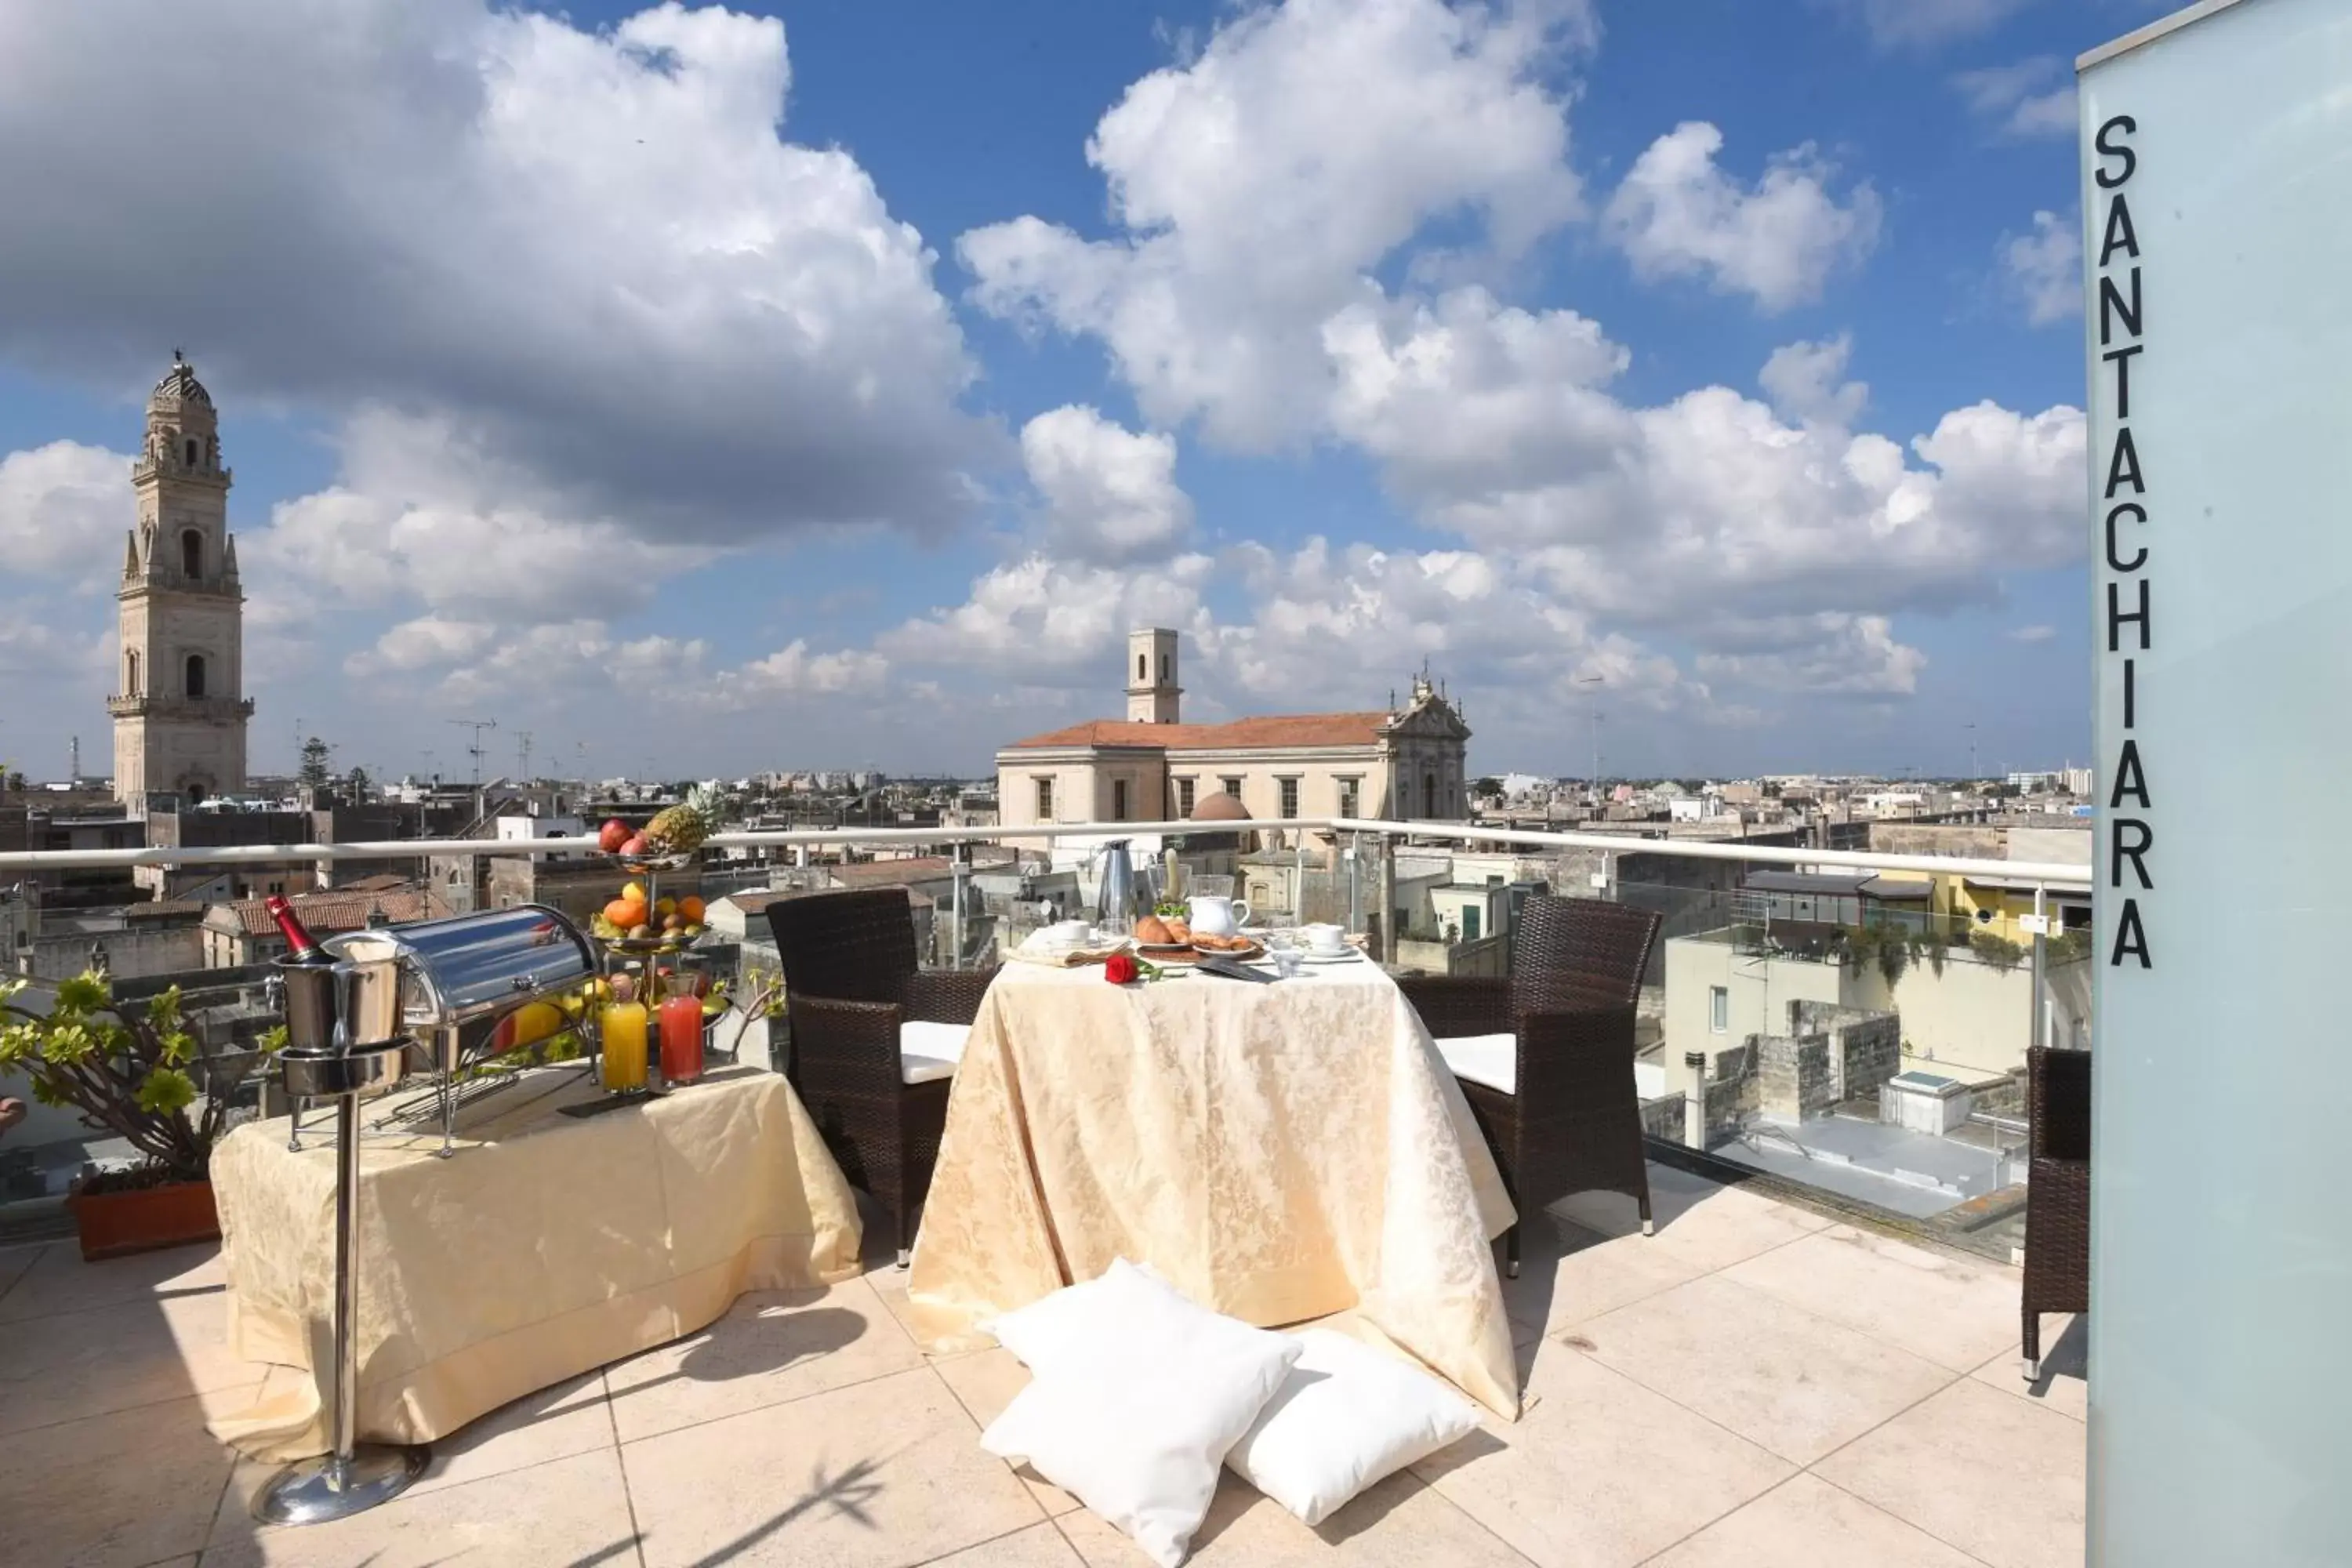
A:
x,y
1138,1395
1345,1418
929,1052
1489,1059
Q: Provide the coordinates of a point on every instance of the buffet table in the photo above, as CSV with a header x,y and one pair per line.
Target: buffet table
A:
x,y
1280,1152
546,1246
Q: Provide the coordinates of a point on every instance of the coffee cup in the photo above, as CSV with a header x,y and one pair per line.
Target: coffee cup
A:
x,y
1324,939
1067,934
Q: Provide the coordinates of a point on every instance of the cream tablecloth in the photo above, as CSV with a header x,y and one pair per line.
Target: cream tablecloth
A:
x,y
546,1246
1280,1152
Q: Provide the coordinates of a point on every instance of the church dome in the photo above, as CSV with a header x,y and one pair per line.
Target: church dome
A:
x,y
1220,808
180,385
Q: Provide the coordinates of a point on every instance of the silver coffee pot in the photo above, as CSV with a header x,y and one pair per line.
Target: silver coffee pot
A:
x,y
1115,895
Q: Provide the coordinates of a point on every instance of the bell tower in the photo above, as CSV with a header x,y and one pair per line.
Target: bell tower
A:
x,y
180,711
1152,689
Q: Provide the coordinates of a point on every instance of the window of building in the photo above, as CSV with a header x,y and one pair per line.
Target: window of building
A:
x,y
1428,795
1233,787
1290,798
1045,800
1167,673
1142,668
1118,800
130,678
191,553
196,675
1350,792
1184,788
192,453
1718,1009
1469,922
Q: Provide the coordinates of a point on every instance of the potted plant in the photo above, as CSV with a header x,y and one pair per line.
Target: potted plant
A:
x,y
134,1071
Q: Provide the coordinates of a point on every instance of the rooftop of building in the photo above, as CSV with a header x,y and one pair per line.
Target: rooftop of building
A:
x,y
340,910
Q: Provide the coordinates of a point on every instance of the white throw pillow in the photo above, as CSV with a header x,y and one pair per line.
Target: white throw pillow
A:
x,y
1137,1396
1345,1417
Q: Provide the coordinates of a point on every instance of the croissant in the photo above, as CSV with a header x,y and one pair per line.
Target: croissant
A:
x,y
1153,930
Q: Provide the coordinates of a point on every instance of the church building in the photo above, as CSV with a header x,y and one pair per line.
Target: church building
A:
x,y
1398,764
180,714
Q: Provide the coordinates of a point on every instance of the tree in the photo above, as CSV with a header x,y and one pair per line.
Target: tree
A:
x,y
313,772
358,783
1488,786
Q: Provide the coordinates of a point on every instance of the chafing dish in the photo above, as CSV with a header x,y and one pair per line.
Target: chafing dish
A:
x,y
461,975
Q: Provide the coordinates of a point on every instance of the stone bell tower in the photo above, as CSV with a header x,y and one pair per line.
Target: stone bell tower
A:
x,y
179,712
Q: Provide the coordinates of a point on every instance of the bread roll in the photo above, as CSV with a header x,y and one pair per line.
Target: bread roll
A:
x,y
1150,929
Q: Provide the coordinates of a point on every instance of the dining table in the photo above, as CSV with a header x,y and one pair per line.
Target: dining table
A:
x,y
1282,1152
545,1246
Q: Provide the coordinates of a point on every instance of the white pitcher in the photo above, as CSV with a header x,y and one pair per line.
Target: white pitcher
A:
x,y
1212,916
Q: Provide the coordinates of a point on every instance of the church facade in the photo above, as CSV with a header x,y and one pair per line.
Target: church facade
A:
x,y
180,710
1398,764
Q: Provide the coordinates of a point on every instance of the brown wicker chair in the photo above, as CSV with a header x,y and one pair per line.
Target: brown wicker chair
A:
x,y
851,986
1545,1056
2057,1193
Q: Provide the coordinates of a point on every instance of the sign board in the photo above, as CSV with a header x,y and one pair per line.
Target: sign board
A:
x,y
2035,925
2217,242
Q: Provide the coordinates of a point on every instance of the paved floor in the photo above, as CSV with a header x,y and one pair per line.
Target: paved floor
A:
x,y
1755,1385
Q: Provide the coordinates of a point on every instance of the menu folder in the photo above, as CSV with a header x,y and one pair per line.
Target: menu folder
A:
x,y
1232,970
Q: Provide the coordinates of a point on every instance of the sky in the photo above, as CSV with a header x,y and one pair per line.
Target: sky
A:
x,y
835,384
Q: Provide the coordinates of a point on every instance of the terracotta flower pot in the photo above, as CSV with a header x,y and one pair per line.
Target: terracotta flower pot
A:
x,y
115,1225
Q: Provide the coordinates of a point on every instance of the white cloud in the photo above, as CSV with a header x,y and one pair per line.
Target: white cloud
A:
x,y
1827,654
1709,506
65,508
2033,633
2033,98
1254,186
2044,269
590,250
1109,494
1806,383
421,512
1918,24
1679,215
1042,621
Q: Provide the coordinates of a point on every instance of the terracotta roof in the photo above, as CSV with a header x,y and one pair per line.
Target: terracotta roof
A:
x,y
1278,729
327,913
893,873
386,883
164,910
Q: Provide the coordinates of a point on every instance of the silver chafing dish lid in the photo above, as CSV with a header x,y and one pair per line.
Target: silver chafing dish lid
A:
x,y
473,966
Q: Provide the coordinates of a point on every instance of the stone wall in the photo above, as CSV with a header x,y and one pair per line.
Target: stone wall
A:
x,y
1793,1080
1865,1047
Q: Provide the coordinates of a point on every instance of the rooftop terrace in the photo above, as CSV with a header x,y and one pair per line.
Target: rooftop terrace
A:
x,y
1756,1384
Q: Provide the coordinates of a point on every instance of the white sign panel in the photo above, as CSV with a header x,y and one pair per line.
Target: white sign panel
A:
x,y
2216,238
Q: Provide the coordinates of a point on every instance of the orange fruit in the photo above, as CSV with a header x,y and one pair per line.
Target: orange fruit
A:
x,y
691,908
618,911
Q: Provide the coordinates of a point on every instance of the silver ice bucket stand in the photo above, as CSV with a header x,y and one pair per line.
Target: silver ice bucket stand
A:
x,y
354,1476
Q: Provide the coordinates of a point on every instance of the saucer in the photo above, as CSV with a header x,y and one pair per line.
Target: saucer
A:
x,y
1346,955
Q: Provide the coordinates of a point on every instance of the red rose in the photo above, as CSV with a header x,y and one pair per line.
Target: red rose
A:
x,y
1119,968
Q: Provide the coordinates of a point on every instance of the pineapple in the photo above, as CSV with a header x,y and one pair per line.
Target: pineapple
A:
x,y
681,828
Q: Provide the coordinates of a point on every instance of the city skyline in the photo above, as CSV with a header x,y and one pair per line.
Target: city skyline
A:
x,y
779,420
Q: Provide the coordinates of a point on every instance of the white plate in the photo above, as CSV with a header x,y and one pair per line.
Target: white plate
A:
x,y
1351,956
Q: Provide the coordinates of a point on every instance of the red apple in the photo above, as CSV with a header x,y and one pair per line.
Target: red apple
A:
x,y
635,844
611,835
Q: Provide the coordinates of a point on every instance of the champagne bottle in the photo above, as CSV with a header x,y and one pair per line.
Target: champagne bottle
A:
x,y
300,946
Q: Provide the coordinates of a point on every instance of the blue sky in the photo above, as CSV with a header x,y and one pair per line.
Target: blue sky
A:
x,y
682,388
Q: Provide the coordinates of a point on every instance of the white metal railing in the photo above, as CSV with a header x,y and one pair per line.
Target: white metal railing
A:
x,y
2046,875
